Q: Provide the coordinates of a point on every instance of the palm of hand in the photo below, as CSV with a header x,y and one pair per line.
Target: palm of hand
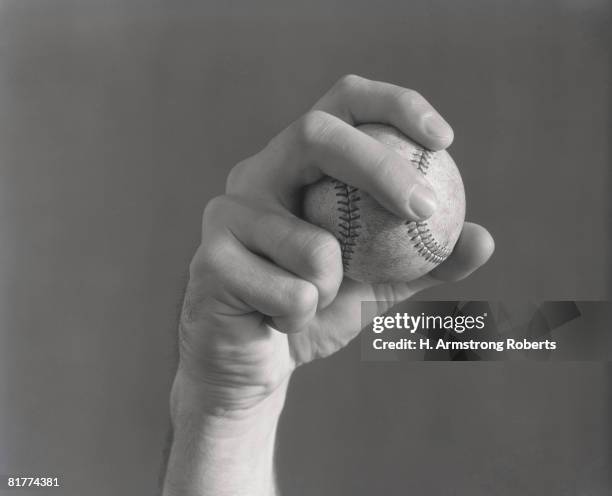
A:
x,y
336,325
242,359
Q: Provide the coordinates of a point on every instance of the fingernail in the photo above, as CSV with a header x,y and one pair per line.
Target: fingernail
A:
x,y
422,201
436,127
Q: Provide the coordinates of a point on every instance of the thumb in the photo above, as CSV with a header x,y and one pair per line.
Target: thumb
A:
x,y
474,247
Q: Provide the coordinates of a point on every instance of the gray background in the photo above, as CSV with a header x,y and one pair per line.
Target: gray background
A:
x,y
119,120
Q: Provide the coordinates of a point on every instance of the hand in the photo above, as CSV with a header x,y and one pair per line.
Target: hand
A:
x,y
266,292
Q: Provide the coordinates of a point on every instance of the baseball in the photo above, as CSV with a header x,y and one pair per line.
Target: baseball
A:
x,y
376,245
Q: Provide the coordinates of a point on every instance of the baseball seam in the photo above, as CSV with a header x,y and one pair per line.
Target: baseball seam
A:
x,y
425,244
419,233
349,225
421,158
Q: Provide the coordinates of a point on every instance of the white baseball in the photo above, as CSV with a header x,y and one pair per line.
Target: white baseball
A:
x,y
376,245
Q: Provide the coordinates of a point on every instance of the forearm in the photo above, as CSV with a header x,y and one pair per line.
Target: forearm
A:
x,y
221,453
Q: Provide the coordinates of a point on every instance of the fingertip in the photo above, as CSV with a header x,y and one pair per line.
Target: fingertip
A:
x,y
483,243
422,202
473,249
286,325
298,308
439,134
329,287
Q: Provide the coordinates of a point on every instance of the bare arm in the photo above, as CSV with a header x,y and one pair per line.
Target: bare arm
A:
x,y
221,454
266,291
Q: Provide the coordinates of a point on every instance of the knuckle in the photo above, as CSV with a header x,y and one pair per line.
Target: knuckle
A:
x,y
212,250
303,297
384,168
208,259
314,128
409,99
389,174
236,177
348,82
214,209
322,252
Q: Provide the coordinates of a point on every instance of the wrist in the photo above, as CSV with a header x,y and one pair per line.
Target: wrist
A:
x,y
193,396
221,451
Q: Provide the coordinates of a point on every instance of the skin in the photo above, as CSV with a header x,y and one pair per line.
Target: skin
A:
x,y
266,292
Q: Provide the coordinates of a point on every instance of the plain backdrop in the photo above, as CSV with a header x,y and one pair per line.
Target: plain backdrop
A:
x,y
119,120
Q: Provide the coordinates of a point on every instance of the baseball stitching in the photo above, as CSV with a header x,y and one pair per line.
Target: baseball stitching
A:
x,y
421,159
349,224
425,244
422,238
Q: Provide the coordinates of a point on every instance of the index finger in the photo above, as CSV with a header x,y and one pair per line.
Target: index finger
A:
x,y
358,100
319,145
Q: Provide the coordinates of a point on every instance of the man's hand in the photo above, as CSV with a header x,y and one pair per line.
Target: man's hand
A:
x,y
266,292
